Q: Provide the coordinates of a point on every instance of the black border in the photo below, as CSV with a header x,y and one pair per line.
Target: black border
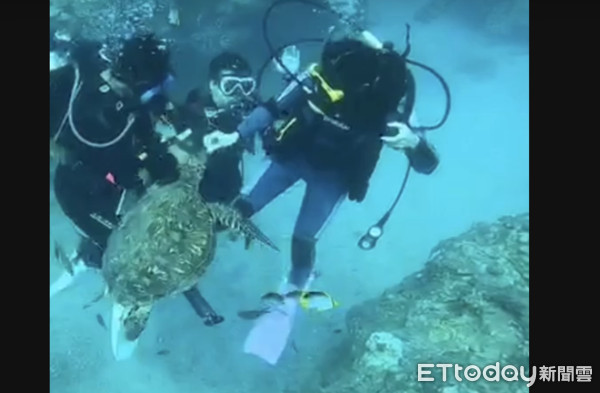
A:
x,y
563,278
24,219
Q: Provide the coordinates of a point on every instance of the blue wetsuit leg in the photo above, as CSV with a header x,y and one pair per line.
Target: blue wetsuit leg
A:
x,y
276,179
324,193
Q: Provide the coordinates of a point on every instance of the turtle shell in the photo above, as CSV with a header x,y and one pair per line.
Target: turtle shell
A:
x,y
162,248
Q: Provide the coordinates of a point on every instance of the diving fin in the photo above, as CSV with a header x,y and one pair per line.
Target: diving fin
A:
x,y
73,265
268,338
122,347
269,335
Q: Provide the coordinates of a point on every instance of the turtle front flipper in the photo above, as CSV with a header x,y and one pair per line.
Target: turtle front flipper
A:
x,y
232,219
252,232
127,324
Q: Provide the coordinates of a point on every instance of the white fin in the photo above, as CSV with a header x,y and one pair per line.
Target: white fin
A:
x,y
57,61
66,279
122,348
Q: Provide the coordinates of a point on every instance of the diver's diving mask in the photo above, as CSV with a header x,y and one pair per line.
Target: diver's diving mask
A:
x,y
229,84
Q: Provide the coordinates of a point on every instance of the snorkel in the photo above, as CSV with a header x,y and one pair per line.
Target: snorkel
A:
x,y
369,240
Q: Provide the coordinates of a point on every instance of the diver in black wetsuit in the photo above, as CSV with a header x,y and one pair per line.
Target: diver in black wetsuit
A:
x,y
102,118
106,135
230,97
329,132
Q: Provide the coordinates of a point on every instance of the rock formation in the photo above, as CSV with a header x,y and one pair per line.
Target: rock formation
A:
x,y
469,305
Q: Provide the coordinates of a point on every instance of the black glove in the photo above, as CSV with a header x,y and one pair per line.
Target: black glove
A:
x,y
157,104
357,192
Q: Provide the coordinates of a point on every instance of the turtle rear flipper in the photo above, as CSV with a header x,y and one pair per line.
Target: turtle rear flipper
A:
x,y
202,307
232,219
126,326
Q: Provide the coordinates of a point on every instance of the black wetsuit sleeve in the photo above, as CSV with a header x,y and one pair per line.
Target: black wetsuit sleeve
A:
x,y
263,116
157,105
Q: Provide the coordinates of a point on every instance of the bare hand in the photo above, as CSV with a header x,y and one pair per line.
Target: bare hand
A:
x,y
57,152
145,177
218,140
290,59
404,137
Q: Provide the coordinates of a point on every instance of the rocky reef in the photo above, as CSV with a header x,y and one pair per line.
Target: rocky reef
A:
x,y
469,305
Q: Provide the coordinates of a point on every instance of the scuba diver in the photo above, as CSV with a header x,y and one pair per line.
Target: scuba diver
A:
x,y
231,95
102,113
327,129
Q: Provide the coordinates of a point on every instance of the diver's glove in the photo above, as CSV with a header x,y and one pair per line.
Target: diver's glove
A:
x,y
357,193
218,139
399,136
290,59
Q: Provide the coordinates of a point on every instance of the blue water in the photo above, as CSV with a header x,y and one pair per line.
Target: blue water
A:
x,y
484,173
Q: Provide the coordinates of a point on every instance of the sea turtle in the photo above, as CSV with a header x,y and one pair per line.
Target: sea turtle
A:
x,y
162,247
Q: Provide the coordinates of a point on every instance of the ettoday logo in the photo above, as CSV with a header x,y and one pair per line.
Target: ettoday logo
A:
x,y
472,373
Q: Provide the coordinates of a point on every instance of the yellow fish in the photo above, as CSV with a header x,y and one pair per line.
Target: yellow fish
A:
x,y
308,300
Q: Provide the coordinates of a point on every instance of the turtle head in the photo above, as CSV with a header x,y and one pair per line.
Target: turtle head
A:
x,y
135,321
192,169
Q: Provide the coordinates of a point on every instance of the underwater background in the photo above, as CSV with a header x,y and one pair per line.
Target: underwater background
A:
x,y
448,280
